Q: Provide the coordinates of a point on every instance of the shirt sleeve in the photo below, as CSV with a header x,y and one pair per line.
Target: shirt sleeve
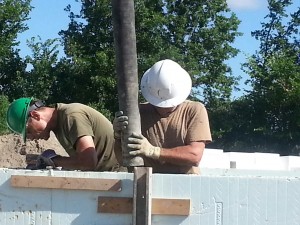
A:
x,y
78,126
198,128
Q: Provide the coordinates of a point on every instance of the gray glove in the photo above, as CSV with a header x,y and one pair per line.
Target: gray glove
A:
x,y
141,146
119,124
45,159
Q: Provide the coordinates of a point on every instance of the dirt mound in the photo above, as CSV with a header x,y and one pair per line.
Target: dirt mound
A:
x,y
14,150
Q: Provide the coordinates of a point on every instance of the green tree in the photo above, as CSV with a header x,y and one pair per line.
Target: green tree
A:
x,y
38,81
88,42
197,34
4,103
13,14
272,109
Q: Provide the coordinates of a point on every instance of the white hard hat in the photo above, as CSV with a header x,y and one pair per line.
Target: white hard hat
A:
x,y
166,84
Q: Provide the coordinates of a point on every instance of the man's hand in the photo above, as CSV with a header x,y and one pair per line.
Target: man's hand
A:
x,y
141,146
45,159
119,124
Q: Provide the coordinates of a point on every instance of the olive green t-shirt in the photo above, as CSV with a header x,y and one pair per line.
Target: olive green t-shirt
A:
x,y
188,123
76,120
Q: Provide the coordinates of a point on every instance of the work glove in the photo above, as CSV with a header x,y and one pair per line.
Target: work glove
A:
x,y
141,146
45,159
119,124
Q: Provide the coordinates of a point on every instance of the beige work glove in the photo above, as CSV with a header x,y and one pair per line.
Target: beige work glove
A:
x,y
141,146
119,124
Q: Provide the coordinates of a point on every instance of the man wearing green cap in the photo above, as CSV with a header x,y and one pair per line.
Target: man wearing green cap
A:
x,y
85,134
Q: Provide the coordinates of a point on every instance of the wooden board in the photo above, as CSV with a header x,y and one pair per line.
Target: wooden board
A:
x,y
115,205
159,206
171,206
65,183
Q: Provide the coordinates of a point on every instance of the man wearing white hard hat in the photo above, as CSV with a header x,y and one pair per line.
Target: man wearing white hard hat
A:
x,y
174,130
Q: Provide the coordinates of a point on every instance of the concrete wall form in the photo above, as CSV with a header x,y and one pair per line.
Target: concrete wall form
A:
x,y
218,197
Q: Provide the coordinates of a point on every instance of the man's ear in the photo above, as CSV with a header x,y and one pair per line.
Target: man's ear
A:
x,y
35,115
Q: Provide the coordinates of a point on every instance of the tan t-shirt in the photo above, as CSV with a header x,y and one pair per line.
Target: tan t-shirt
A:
x,y
188,123
76,120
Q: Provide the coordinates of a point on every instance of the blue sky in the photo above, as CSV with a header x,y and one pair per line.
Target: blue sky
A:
x,y
49,17
251,13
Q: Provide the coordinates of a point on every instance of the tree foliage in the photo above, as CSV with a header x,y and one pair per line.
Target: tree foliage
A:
x,y
4,103
88,41
39,80
197,34
13,15
272,106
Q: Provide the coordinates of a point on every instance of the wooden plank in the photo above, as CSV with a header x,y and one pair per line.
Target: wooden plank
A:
x,y
66,183
171,206
115,205
142,182
180,207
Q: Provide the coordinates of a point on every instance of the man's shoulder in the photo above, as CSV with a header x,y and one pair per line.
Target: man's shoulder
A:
x,y
73,107
70,105
192,104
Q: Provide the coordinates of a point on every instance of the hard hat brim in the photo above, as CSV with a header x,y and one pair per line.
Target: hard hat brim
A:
x,y
25,122
181,97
